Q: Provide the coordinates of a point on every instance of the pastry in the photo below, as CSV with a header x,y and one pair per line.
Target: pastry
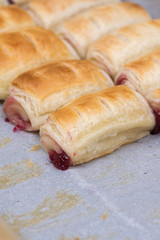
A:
x,y
143,75
94,125
115,50
38,92
19,2
13,17
51,12
95,23
27,49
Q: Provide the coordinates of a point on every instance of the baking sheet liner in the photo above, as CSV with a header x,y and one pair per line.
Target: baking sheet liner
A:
x,y
114,197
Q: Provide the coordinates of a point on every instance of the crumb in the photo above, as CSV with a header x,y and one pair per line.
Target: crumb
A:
x,y
29,163
35,148
47,163
104,216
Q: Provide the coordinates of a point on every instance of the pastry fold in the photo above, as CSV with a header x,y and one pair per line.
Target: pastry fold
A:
x,y
27,49
143,75
13,18
38,92
20,2
115,50
51,12
91,25
8,2
95,125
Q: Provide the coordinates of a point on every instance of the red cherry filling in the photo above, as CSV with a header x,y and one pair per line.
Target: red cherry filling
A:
x,y
7,120
60,160
121,81
156,129
17,128
10,1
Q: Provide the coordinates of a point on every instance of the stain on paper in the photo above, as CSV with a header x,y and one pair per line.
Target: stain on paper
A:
x,y
78,238
18,172
104,216
35,148
109,168
126,178
4,142
48,209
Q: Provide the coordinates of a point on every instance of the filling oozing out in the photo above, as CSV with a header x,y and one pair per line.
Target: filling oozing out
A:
x,y
57,156
156,129
121,80
11,2
60,160
16,115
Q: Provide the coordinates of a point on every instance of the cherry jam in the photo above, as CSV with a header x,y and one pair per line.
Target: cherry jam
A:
x,y
60,160
156,129
18,128
7,120
121,81
10,1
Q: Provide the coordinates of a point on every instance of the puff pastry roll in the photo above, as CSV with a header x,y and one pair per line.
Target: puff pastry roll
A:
x,y
51,12
143,75
27,49
97,22
13,17
94,125
38,92
125,45
19,2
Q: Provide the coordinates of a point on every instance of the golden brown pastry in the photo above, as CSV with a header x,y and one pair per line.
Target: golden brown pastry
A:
x,y
143,75
9,2
19,2
27,49
38,92
49,13
115,50
87,27
6,233
13,17
94,125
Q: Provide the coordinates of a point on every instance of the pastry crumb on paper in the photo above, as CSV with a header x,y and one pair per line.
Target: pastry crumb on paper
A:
x,y
35,148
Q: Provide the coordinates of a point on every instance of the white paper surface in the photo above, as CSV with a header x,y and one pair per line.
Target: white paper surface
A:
x,y
115,197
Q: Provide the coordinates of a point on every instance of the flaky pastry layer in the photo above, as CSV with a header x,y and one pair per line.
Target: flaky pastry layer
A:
x,y
115,50
27,49
143,75
51,12
45,89
97,124
95,23
13,17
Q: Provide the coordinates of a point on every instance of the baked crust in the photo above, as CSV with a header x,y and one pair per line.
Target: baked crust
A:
x,y
95,23
143,75
51,12
97,124
27,49
13,17
125,45
45,89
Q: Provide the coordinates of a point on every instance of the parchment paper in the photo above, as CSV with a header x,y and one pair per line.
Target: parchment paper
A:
x,y
115,197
